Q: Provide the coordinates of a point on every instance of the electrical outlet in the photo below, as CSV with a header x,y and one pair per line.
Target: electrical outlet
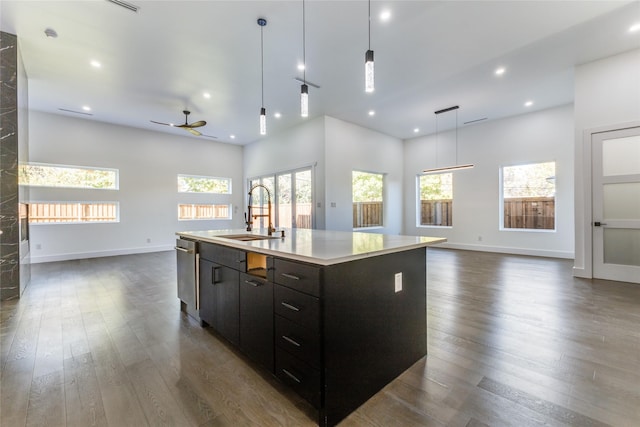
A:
x,y
148,240
38,246
479,238
333,204
398,282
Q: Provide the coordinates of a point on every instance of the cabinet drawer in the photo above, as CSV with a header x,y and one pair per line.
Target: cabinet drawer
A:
x,y
303,277
299,376
298,341
229,257
301,308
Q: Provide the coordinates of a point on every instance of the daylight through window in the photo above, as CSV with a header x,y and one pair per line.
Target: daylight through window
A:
x,y
203,184
368,203
48,175
436,199
528,195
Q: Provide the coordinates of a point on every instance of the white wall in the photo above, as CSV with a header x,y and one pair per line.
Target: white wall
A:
x,y
298,147
350,147
528,138
148,163
607,97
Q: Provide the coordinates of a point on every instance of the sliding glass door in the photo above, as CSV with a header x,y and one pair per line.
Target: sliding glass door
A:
x,y
291,198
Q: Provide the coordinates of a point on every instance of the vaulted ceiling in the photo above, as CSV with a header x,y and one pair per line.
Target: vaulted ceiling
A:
x,y
429,55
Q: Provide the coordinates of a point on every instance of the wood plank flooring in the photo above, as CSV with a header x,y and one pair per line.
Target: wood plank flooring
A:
x,y
513,341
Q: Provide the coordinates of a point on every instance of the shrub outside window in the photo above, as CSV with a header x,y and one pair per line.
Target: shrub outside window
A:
x,y
528,196
203,184
368,203
436,200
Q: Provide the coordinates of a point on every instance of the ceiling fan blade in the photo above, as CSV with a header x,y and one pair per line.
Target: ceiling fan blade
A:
x,y
193,132
198,124
160,123
210,136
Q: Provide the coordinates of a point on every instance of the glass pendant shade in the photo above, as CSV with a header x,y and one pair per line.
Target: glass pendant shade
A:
x,y
304,100
263,121
368,72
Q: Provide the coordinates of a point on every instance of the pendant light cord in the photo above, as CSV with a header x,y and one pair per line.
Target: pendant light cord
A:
x,y
369,24
262,62
304,53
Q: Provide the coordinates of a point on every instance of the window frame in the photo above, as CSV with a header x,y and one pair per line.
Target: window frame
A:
x,y
228,205
228,180
419,201
60,166
501,217
72,202
382,213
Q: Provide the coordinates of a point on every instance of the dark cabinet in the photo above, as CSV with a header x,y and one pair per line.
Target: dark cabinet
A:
x,y
256,319
220,299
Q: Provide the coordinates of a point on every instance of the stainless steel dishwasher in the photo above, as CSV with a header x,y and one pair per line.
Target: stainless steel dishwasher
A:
x,y
188,260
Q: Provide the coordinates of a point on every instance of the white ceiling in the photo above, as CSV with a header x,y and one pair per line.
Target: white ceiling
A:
x,y
430,55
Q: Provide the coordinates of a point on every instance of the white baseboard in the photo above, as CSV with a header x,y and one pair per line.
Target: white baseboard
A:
x,y
581,272
98,254
508,250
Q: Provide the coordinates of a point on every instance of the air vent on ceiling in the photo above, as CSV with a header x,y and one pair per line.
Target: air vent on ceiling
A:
x,y
474,121
129,6
75,112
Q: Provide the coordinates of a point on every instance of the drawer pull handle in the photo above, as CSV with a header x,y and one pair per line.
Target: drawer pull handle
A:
x,y
290,375
289,306
290,276
291,340
252,283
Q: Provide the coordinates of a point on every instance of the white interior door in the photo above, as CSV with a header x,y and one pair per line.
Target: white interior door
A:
x,y
616,205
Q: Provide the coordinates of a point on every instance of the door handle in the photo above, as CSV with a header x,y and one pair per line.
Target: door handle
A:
x,y
599,224
215,275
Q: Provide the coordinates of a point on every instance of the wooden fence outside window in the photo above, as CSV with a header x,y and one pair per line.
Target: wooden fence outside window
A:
x,y
436,212
536,213
54,212
189,211
367,214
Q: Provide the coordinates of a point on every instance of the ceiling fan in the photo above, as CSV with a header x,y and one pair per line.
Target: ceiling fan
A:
x,y
189,127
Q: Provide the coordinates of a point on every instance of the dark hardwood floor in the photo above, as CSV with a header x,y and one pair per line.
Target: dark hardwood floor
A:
x,y
513,341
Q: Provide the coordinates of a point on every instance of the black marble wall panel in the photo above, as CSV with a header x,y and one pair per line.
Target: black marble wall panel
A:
x,y
9,204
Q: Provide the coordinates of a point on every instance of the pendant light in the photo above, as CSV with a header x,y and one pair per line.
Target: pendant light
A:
x,y
263,112
368,62
304,89
456,166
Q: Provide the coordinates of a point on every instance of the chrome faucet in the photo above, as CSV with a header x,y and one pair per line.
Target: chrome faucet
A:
x,y
249,218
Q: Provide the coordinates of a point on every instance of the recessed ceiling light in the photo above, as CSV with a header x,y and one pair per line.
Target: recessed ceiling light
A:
x,y
301,67
416,130
528,103
50,33
232,136
277,115
635,27
372,113
86,108
96,64
206,95
500,71
385,15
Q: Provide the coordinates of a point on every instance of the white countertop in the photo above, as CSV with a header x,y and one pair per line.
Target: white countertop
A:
x,y
316,246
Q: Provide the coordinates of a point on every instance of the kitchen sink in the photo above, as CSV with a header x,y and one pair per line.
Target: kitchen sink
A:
x,y
248,237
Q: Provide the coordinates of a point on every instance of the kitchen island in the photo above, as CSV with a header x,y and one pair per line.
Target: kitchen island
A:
x,y
334,315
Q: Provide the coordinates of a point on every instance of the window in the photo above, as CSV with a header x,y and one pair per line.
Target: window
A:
x,y
291,197
367,190
48,175
193,211
203,184
435,194
528,196
73,212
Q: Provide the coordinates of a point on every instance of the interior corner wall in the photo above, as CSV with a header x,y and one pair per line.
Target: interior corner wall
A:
x,y
351,147
607,96
148,164
297,147
539,136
